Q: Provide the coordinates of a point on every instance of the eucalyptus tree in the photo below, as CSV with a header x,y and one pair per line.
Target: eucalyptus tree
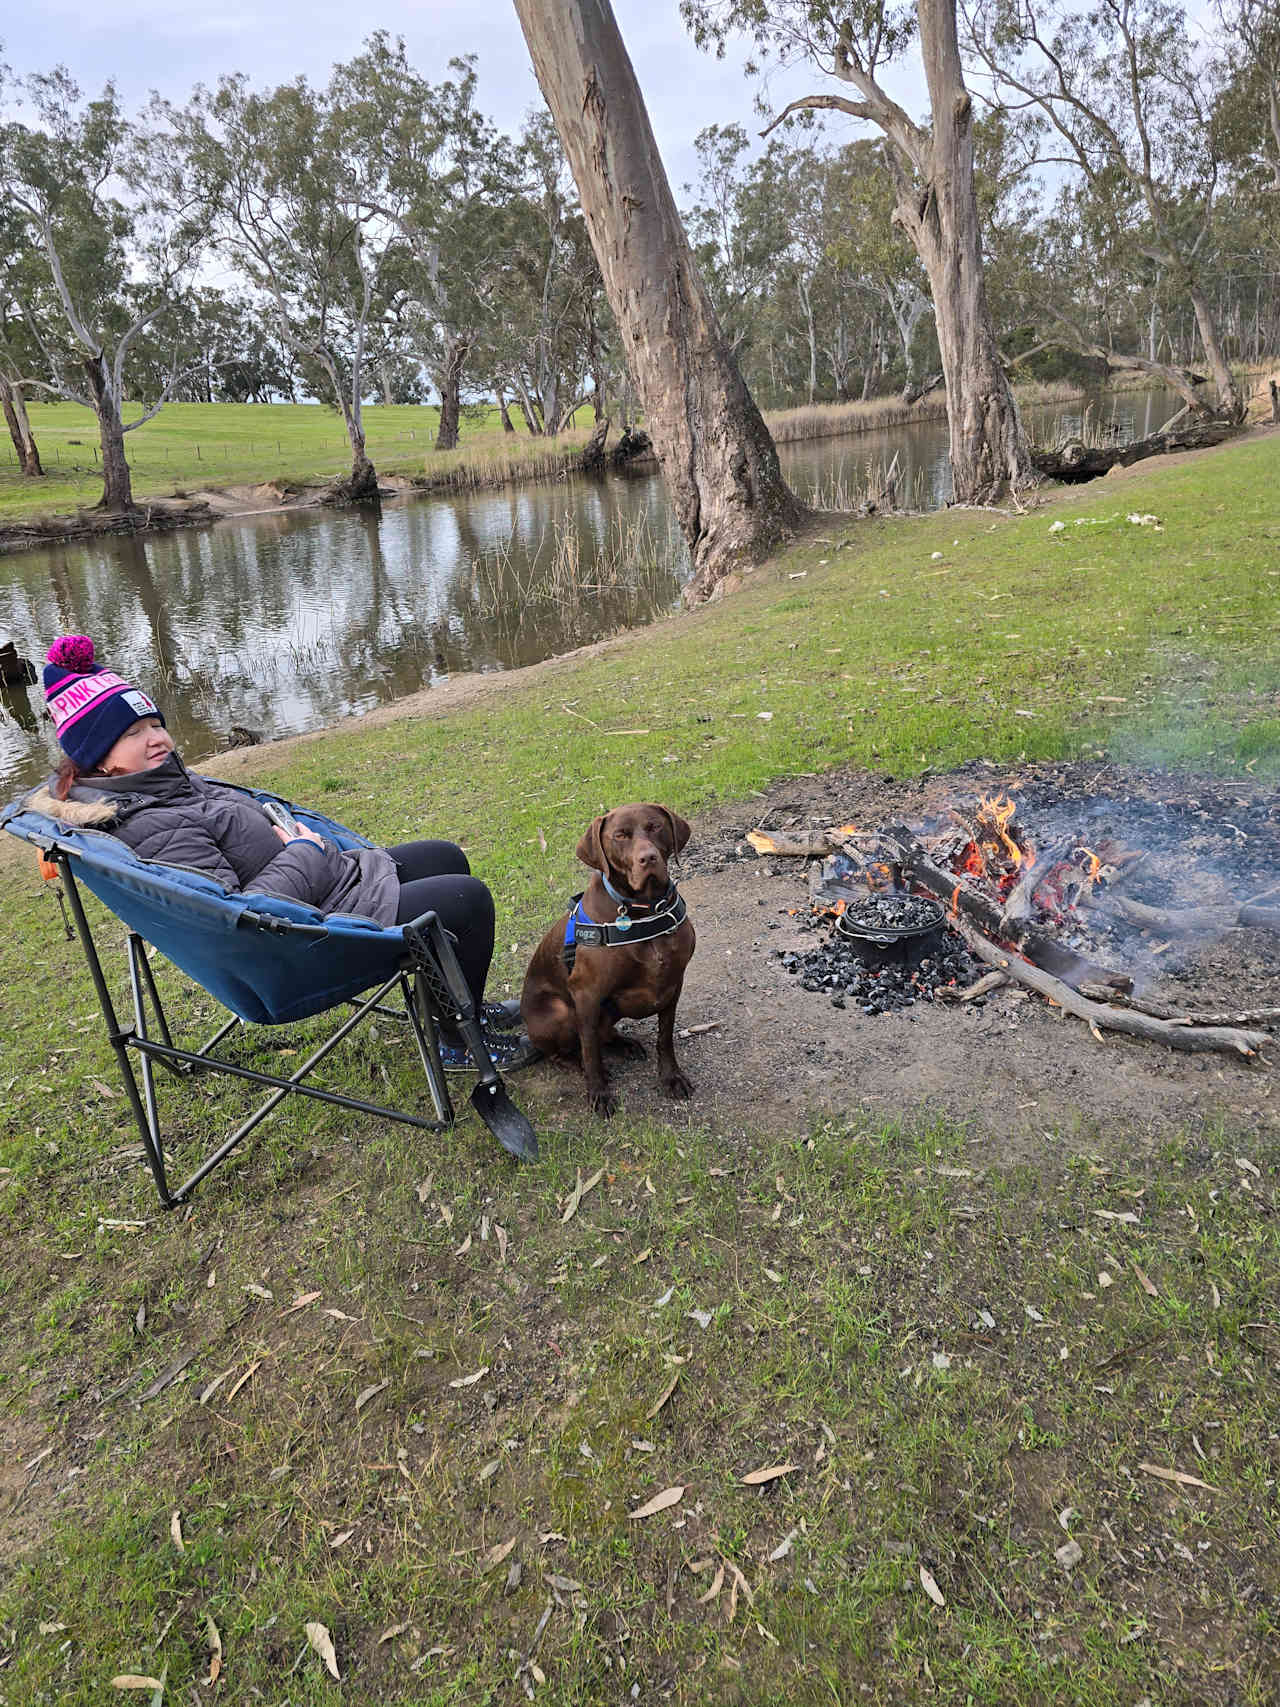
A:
x,y
555,328
856,42
19,354
1248,111
282,180
738,232
717,458
1127,98
115,260
437,174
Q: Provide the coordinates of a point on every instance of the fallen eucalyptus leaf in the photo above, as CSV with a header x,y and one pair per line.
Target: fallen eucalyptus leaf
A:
x,y
498,1553
579,1191
929,1584
1179,1476
659,1502
470,1380
175,1530
214,1640
717,1583
662,1398
322,1642
758,1478
363,1398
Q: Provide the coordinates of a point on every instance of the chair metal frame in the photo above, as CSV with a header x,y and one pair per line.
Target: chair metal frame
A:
x,y
428,978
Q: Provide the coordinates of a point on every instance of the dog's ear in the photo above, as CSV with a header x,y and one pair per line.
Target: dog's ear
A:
x,y
591,847
680,831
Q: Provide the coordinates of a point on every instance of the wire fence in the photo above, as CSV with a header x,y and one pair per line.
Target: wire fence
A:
x,y
76,454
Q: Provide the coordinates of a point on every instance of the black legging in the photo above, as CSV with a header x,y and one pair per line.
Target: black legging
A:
x,y
435,877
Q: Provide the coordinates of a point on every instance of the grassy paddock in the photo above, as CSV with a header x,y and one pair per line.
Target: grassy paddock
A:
x,y
842,1274
195,446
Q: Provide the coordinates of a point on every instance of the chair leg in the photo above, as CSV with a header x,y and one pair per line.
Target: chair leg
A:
x,y
435,960
149,1130
427,1038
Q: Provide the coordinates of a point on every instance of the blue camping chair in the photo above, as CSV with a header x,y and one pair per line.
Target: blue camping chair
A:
x,y
270,962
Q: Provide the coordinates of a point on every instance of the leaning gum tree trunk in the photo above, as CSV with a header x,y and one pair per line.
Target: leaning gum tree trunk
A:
x,y
449,384
718,460
1231,404
18,422
937,207
117,482
989,448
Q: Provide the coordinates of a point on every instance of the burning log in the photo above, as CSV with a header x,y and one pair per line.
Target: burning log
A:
x,y
1017,906
1195,1039
1045,950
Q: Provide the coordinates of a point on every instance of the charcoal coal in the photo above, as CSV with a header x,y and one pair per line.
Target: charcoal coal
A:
x,y
834,967
887,910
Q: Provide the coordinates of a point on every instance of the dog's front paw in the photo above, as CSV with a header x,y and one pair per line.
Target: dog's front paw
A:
x,y
603,1102
676,1085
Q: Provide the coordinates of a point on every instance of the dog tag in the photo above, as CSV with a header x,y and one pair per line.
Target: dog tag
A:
x,y
622,922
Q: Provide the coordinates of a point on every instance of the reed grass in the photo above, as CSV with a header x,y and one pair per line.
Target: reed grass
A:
x,y
632,559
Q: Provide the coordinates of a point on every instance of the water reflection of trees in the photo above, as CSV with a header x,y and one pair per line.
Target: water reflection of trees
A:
x,y
290,620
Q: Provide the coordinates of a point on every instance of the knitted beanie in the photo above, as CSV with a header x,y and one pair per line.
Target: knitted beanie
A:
x,y
91,707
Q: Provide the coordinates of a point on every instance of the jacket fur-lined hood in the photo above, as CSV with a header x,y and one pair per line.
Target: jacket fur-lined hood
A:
x,y
78,814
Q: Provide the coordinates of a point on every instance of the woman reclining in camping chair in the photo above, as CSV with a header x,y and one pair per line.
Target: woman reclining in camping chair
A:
x,y
121,773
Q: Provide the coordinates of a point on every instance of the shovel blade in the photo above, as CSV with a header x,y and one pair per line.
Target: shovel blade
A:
x,y
511,1128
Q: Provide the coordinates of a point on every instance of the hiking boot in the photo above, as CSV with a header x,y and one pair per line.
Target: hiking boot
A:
x,y
508,1050
500,1016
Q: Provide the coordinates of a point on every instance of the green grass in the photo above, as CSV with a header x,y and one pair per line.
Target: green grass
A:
x,y
194,446
887,1242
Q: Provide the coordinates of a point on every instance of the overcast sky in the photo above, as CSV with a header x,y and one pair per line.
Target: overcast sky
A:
x,y
170,45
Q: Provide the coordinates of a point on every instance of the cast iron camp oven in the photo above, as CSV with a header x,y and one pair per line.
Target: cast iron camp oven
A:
x,y
891,925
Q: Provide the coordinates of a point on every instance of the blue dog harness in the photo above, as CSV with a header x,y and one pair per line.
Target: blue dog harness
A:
x,y
666,915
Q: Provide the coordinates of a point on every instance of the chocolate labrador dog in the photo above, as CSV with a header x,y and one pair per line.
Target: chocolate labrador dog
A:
x,y
620,954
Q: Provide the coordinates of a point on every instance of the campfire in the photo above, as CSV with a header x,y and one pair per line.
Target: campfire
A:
x,y
907,915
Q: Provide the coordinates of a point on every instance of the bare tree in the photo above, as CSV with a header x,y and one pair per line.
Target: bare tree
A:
x,y
717,458
935,200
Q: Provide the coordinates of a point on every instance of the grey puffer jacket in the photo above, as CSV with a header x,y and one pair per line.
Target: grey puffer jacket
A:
x,y
177,818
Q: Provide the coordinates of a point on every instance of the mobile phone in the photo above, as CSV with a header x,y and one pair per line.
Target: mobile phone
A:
x,y
281,817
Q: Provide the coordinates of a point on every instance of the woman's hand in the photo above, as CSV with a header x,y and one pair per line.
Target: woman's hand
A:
x,y
304,835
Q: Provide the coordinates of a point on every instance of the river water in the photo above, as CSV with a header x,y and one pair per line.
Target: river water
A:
x,y
285,622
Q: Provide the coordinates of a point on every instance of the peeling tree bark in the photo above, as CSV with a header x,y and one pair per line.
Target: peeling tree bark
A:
x,y
717,458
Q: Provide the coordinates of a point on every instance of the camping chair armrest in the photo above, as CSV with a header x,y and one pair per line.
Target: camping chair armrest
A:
x,y
281,927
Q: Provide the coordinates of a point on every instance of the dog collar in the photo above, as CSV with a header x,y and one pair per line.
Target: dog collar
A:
x,y
627,904
667,915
